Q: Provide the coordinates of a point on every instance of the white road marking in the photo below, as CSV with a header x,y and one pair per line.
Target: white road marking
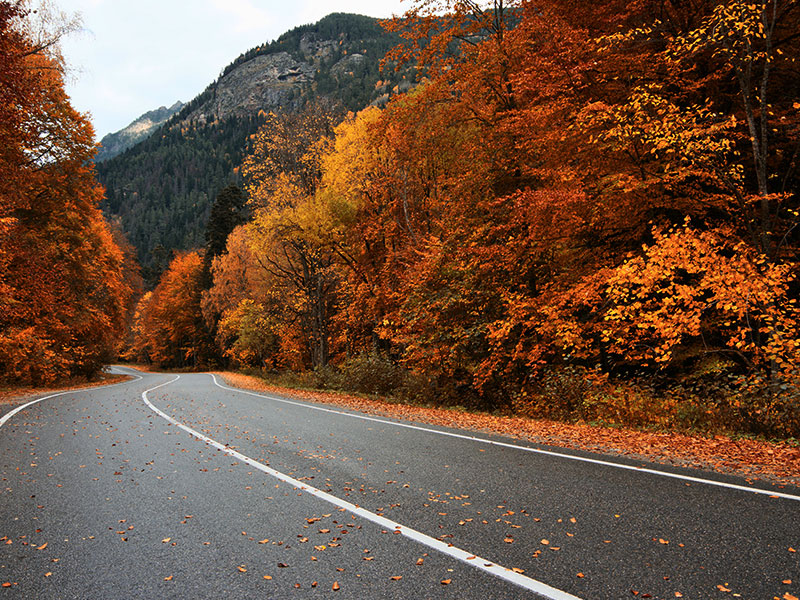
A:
x,y
473,560
472,438
11,413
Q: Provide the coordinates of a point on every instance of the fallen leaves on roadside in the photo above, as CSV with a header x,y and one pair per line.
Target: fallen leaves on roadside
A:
x,y
242,569
446,581
396,577
169,578
42,547
745,457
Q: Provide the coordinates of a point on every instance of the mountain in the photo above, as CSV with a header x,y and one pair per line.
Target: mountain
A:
x,y
161,189
116,143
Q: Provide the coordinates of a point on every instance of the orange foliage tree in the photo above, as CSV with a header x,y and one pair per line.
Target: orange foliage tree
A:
x,y
63,294
169,328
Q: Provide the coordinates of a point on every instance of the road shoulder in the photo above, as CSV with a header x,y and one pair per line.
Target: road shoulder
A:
x,y
753,460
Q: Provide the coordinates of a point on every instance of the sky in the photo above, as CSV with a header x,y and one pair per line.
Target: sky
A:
x,y
133,56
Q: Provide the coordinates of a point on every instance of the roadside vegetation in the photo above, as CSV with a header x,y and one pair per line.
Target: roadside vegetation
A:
x,y
581,212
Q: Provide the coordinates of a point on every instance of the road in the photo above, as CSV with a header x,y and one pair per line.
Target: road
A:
x,y
174,486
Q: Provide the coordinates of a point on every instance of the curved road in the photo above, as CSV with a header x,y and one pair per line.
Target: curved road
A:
x,y
180,487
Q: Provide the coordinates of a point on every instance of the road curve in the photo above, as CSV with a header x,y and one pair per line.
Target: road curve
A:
x,y
179,486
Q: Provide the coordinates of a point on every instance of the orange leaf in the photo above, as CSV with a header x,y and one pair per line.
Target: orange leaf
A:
x,y
168,578
267,576
396,577
446,581
335,586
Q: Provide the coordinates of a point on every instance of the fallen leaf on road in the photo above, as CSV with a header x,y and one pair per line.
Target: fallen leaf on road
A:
x,y
335,586
581,575
722,588
788,596
48,574
517,570
787,581
396,577
264,541
509,540
282,565
446,581
267,576
42,547
242,569
165,540
420,561
168,578
545,542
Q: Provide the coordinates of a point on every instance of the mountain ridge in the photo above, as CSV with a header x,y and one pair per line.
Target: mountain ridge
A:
x,y
161,189
137,130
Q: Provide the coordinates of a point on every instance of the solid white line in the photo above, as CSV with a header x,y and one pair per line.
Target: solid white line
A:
x,y
11,413
477,562
472,438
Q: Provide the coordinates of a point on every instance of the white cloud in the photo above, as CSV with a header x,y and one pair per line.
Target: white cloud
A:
x,y
242,15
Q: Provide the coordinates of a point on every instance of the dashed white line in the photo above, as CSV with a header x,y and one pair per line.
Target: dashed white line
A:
x,y
595,461
473,560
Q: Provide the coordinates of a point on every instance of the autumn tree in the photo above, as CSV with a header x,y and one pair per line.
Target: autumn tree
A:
x,y
64,296
169,326
282,173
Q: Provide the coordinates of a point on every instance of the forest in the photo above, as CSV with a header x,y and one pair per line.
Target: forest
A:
x,y
67,277
582,211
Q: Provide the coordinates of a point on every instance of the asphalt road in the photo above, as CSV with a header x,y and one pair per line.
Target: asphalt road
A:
x,y
192,490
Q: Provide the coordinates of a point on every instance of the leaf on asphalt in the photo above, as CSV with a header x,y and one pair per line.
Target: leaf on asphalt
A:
x,y
267,576
48,574
264,541
580,575
324,530
663,541
420,561
282,565
678,595
509,540
320,548
42,547
792,549
546,542
446,581
168,578
335,586
722,588
165,540
787,581
788,596
7,584
242,569
396,577
517,570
